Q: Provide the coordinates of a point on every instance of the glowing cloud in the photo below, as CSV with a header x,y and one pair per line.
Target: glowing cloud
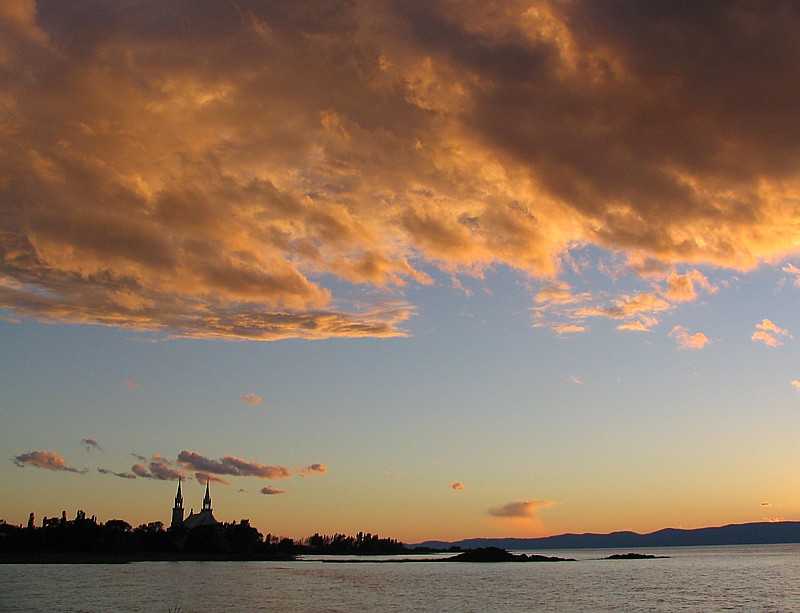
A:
x,y
767,332
251,399
458,486
217,184
45,459
795,384
688,341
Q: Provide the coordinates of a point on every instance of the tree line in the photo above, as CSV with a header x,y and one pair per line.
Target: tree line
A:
x,y
83,536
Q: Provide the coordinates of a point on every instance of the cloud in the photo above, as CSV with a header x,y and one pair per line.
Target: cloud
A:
x,y
768,333
45,459
795,384
520,509
123,475
157,467
230,465
794,271
311,469
252,399
688,341
130,384
568,329
244,177
206,477
89,443
766,504
458,486
271,491
575,380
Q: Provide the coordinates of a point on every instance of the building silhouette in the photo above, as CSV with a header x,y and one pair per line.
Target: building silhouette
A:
x,y
204,518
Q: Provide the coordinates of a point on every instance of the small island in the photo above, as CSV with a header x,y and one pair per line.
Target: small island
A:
x,y
495,554
633,556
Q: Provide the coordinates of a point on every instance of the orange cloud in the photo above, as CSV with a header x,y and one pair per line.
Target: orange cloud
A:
x,y
252,399
768,333
688,341
45,459
458,486
230,169
130,384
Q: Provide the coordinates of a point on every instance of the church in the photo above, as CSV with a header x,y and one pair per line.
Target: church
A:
x,y
195,520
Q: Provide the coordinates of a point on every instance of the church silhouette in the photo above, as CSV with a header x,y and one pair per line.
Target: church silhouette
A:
x,y
204,518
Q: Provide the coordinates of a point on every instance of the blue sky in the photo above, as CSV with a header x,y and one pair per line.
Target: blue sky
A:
x,y
427,269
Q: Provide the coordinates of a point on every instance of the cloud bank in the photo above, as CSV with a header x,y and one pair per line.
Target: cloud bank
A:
x,y
208,170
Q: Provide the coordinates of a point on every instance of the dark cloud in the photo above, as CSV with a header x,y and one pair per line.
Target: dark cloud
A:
x,y
204,478
90,443
157,467
311,469
45,459
122,475
271,491
230,465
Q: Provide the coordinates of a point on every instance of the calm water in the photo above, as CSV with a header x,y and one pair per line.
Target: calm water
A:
x,y
754,578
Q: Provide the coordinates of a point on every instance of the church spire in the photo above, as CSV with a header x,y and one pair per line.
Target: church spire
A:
x,y
179,497
177,510
207,499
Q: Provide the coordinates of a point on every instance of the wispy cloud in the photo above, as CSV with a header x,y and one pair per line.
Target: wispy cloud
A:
x,y
203,478
251,399
45,459
271,491
90,443
122,475
687,340
520,509
311,469
130,384
230,465
768,333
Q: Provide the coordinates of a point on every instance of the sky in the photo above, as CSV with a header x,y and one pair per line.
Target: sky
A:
x,y
428,269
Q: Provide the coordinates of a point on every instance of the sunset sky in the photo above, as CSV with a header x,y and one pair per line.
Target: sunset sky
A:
x,y
431,269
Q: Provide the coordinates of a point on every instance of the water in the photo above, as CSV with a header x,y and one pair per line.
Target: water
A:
x,y
752,578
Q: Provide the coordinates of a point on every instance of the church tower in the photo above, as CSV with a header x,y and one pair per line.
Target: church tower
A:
x,y
207,499
177,510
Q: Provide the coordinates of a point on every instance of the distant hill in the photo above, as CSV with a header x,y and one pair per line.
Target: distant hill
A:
x,y
760,533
